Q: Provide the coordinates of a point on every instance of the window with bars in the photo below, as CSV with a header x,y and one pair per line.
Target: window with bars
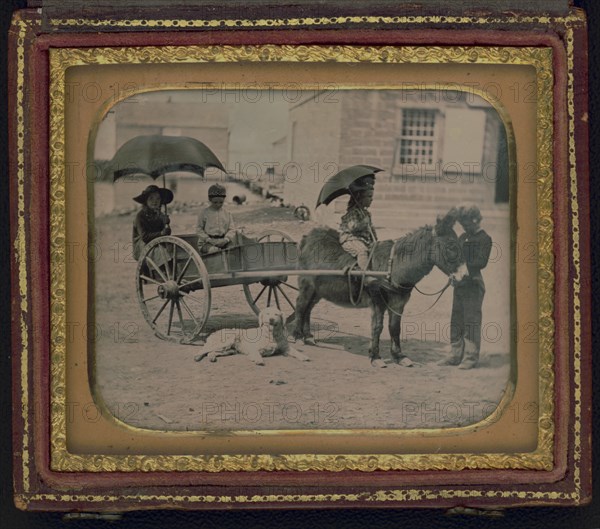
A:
x,y
417,143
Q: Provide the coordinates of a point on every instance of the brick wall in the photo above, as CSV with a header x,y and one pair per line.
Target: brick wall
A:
x,y
443,192
370,123
369,128
413,203
314,149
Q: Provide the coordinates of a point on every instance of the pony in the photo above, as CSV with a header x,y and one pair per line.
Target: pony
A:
x,y
407,260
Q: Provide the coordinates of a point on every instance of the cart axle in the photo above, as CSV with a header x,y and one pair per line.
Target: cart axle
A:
x,y
169,290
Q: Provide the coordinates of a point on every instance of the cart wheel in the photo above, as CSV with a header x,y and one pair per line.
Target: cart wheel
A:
x,y
278,291
302,212
173,289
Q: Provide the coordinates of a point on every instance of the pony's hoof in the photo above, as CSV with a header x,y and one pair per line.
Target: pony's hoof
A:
x,y
378,362
404,362
309,341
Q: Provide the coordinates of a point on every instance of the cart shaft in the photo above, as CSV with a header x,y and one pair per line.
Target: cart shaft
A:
x,y
277,273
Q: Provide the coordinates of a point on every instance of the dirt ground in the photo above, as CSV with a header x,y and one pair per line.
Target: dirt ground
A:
x,y
154,384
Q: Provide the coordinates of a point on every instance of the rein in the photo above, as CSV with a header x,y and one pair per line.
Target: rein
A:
x,y
441,293
356,301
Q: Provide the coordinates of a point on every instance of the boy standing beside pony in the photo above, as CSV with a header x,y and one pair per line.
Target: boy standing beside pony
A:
x,y
465,322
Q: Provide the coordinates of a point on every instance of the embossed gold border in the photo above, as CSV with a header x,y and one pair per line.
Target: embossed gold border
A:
x,y
539,58
20,250
379,496
314,22
576,257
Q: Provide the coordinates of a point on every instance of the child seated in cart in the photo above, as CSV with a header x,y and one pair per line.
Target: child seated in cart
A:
x,y
150,222
215,227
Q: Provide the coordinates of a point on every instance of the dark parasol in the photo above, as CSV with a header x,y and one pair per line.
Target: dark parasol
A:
x,y
341,183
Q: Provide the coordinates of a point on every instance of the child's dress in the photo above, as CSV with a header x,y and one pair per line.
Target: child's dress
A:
x,y
148,225
357,235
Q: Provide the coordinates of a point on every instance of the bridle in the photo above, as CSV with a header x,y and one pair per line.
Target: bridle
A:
x,y
356,301
408,288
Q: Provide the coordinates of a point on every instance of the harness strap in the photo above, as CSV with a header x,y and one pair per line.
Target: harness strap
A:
x,y
389,280
441,293
391,260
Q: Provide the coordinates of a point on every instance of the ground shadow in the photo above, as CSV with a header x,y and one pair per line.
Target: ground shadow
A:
x,y
218,322
419,351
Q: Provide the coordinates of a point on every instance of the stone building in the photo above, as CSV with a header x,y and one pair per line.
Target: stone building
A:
x,y
437,149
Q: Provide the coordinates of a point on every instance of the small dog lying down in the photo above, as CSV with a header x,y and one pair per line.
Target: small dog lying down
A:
x,y
268,340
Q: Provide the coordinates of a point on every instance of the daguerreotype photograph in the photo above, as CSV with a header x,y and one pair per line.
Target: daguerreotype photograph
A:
x,y
293,258
313,268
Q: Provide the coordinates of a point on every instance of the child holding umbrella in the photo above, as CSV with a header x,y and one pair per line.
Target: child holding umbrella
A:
x,y
357,235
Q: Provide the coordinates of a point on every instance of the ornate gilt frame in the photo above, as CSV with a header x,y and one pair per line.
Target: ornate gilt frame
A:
x,y
61,460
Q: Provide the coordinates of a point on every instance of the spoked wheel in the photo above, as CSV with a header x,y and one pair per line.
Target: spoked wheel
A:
x,y
277,291
173,289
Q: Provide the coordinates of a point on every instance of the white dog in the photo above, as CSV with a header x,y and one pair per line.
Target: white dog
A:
x,y
268,340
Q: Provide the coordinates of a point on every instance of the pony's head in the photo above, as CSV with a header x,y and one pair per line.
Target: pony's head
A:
x,y
446,251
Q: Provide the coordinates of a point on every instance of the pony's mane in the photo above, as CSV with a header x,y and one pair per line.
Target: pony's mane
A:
x,y
410,240
416,234
412,236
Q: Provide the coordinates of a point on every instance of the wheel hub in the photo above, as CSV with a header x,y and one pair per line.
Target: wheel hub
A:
x,y
168,290
273,281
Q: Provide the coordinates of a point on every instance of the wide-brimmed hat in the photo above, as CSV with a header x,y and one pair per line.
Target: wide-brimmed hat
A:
x,y
217,190
166,195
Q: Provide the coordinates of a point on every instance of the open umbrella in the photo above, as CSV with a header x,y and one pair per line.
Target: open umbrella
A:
x,y
156,155
339,184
